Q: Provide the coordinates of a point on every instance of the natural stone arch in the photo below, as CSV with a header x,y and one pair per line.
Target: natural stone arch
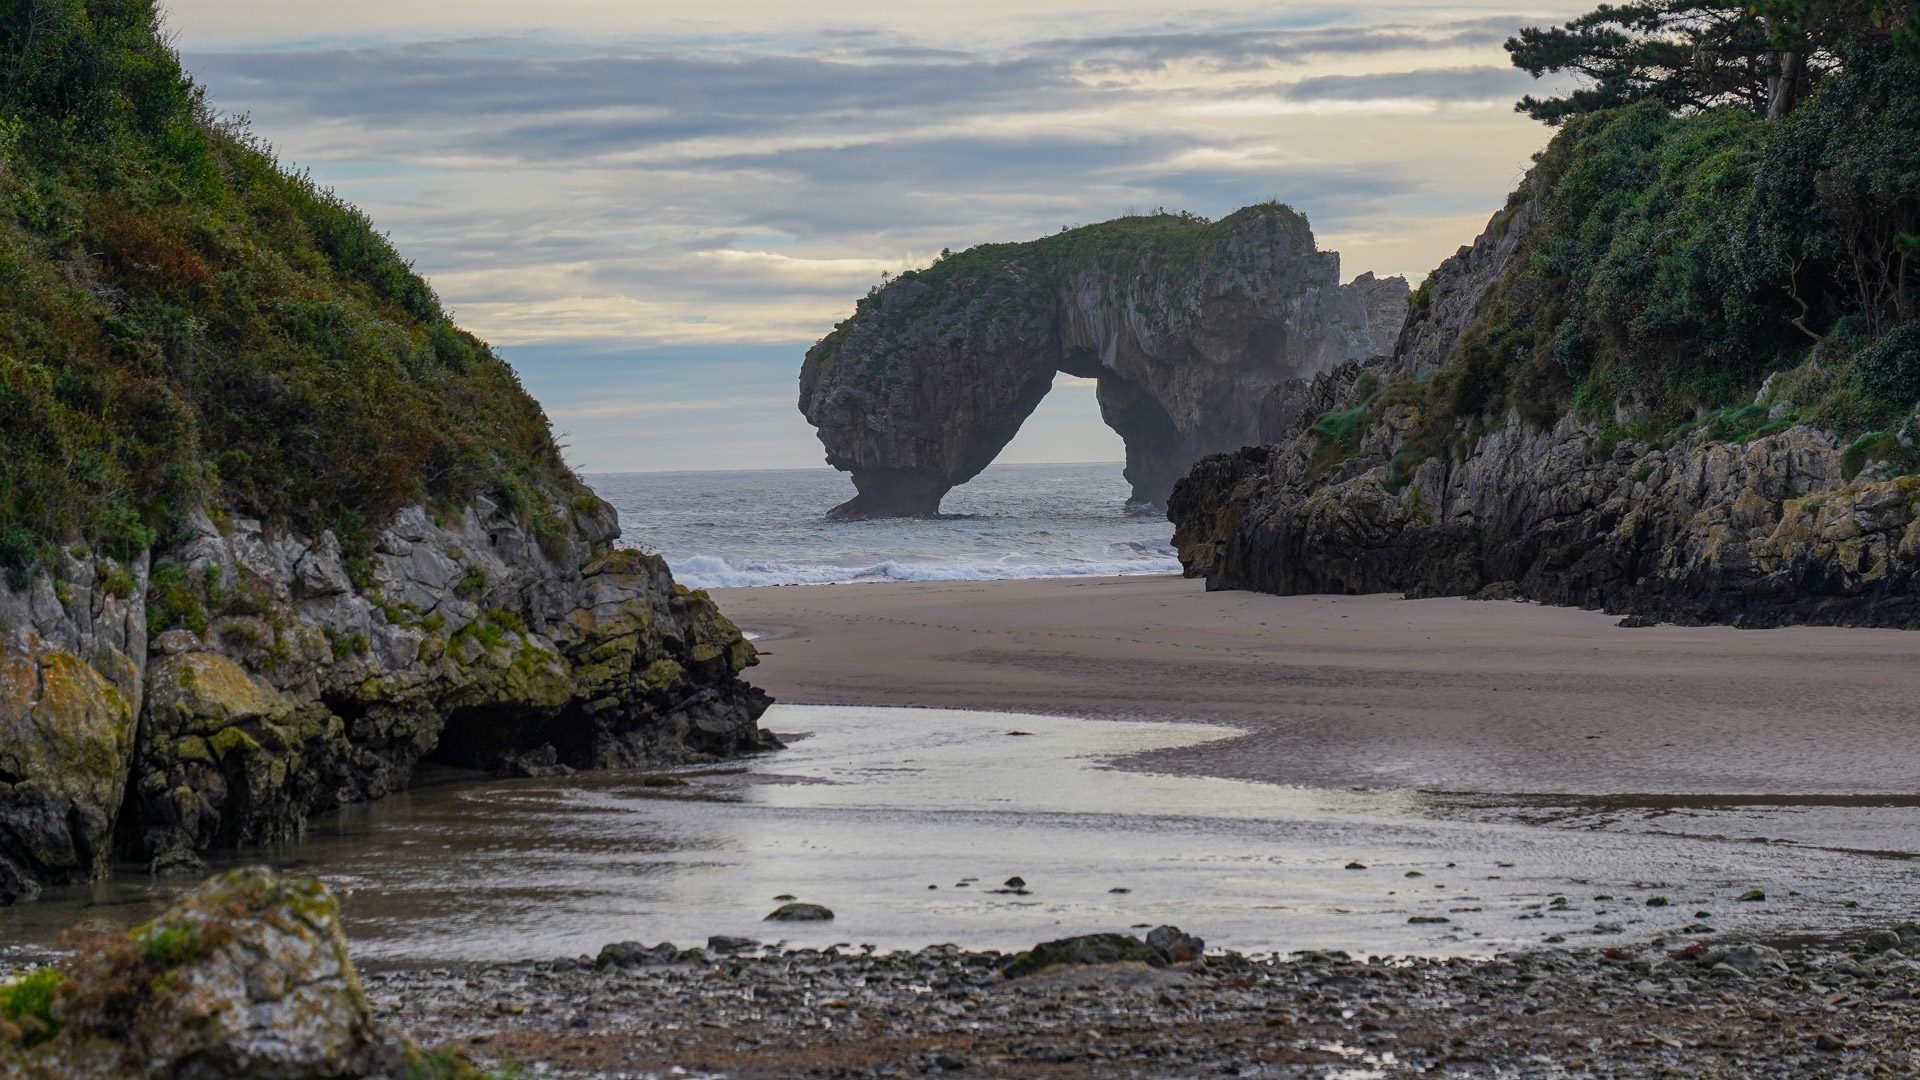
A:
x,y
1193,331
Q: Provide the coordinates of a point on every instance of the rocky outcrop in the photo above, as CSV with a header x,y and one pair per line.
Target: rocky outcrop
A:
x,y
1755,534
247,977
1701,526
1188,328
70,691
1453,296
284,677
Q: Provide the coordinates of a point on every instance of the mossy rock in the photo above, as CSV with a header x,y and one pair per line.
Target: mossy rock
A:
x,y
1081,951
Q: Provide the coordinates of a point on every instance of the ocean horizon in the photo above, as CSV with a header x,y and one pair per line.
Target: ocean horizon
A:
x,y
726,528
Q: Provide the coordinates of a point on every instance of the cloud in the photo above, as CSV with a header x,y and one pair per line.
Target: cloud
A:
x,y
741,190
1436,85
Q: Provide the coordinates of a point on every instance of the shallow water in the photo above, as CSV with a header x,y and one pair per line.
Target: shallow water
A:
x,y
872,806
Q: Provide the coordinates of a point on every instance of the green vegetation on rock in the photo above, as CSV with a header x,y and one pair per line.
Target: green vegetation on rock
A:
x,y
1674,261
189,322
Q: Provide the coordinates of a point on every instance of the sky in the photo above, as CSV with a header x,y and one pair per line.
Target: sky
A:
x,y
653,209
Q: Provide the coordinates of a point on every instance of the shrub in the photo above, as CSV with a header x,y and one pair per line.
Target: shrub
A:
x,y
171,602
471,584
1889,369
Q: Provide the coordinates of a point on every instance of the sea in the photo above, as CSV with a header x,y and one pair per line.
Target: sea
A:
x,y
768,527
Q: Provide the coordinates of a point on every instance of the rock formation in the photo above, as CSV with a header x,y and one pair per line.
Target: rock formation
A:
x,y
247,977
1758,531
245,679
1188,327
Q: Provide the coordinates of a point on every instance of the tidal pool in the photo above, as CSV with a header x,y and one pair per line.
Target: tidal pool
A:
x,y
908,822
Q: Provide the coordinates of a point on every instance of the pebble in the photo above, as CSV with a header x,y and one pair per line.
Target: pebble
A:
x,y
1820,1009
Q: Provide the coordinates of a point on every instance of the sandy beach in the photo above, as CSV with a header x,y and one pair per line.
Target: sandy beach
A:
x,y
1449,695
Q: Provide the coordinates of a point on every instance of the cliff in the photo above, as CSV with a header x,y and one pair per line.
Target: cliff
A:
x,y
1663,381
273,530
1192,330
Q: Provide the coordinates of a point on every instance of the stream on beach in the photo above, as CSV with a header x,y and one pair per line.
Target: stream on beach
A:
x,y
908,822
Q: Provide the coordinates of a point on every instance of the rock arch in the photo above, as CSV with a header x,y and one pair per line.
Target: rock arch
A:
x,y
1197,334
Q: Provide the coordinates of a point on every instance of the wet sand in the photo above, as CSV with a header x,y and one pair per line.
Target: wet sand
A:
x,y
1375,691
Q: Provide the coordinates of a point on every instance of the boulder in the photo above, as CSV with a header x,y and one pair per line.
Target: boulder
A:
x,y
1175,946
799,913
247,978
1085,950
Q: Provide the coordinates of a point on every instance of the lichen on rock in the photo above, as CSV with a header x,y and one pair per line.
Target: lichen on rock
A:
x,y
246,978
278,687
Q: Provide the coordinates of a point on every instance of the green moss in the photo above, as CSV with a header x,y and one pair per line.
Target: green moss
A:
x,y
445,1064
169,946
26,1005
1877,446
343,645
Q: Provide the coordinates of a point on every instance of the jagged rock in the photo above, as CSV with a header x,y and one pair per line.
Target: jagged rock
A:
x,y
247,978
72,651
1188,328
1450,299
288,689
1760,533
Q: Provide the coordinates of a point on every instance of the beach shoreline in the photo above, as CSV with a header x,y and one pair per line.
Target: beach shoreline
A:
x,y
1372,691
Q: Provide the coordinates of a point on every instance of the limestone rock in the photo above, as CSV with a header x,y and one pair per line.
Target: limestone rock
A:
x,y
1763,533
1760,533
71,656
247,978
279,686
1187,327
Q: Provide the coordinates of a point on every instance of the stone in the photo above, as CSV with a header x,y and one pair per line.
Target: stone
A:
x,y
246,978
1174,946
1087,949
799,913
70,697
633,954
1193,353
286,689
1768,532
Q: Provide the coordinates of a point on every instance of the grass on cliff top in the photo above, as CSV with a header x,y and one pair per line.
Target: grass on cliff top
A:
x,y
1151,255
187,321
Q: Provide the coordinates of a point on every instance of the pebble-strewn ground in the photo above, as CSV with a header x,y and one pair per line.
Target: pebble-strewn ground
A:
x,y
1817,1010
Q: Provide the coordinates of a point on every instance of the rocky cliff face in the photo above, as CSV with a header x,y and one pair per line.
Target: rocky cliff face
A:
x,y
249,678
1188,327
1693,528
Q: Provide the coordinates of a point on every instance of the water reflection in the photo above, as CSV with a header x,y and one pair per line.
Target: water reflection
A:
x,y
905,821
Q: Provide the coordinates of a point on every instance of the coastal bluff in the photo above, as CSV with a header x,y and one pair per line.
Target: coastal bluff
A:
x,y
1200,336
1560,423
226,687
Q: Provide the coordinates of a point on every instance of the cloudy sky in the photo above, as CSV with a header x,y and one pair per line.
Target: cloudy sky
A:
x,y
653,209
